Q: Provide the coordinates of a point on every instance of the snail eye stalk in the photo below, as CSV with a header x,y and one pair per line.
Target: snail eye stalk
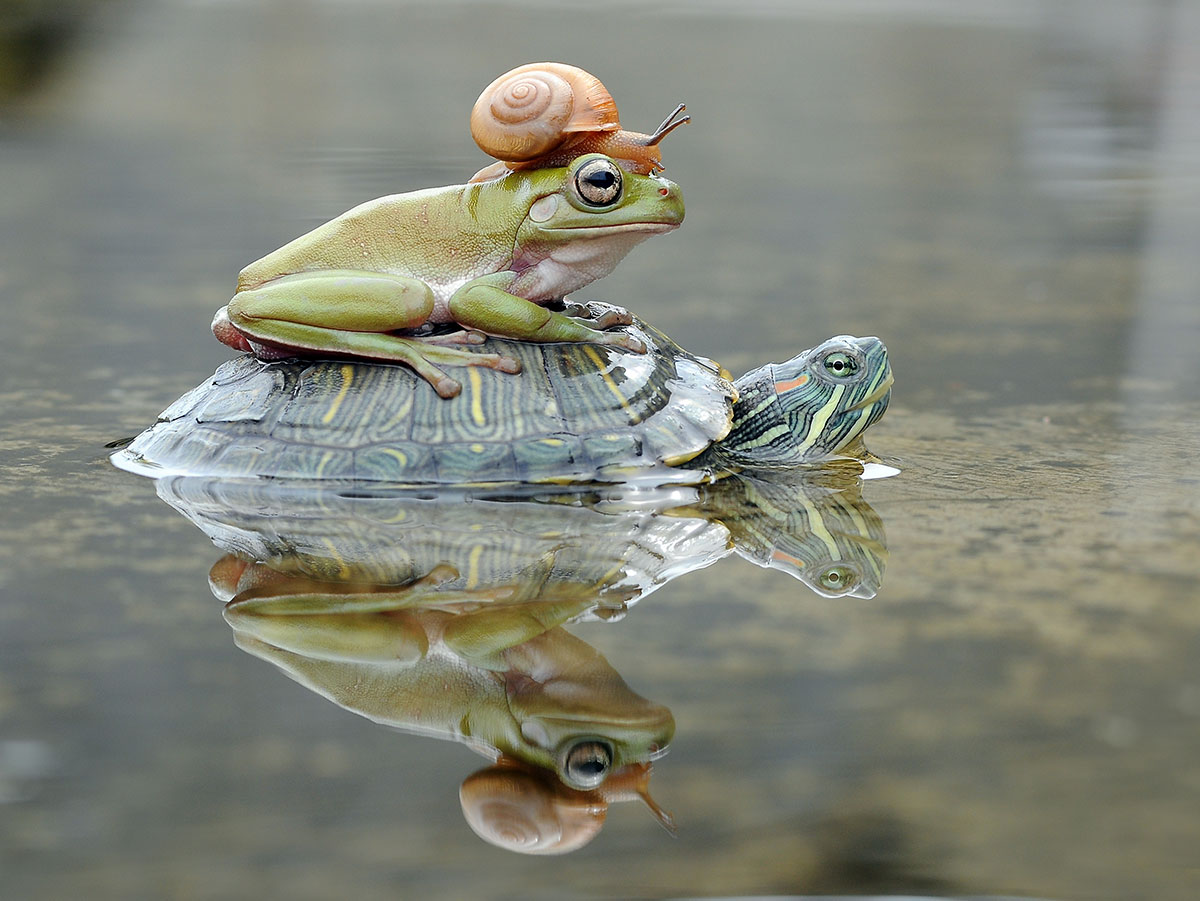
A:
x,y
669,124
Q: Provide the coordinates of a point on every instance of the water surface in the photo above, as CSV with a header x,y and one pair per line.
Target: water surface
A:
x,y
1005,193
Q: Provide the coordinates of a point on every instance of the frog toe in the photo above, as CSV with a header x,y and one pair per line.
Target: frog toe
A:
x,y
611,317
626,341
445,386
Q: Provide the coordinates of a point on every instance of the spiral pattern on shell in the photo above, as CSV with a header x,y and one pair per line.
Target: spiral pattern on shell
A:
x,y
515,810
531,110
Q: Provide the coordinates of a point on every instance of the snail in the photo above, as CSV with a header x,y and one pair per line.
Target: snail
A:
x,y
547,114
519,809
523,808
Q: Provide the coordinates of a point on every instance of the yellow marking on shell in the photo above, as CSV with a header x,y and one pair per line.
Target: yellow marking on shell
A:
x,y
473,566
821,419
475,384
557,480
788,385
477,448
324,460
608,380
680,459
343,569
552,442
398,454
404,411
347,378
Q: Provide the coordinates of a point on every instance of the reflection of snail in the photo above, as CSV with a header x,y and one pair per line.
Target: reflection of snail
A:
x,y
525,809
546,114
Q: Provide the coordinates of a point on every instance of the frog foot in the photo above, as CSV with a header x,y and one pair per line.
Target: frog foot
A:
x,y
622,340
428,359
602,316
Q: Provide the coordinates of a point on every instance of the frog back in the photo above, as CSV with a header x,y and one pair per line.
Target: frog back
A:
x,y
437,235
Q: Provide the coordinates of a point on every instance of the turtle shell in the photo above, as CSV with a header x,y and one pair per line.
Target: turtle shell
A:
x,y
575,413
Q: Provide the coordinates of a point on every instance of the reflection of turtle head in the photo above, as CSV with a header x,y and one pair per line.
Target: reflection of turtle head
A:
x,y
525,809
819,531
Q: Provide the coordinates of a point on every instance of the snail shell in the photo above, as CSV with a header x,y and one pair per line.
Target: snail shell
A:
x,y
530,813
532,110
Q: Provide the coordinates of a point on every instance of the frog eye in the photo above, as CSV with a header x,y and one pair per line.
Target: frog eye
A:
x,y
585,764
841,365
838,579
598,182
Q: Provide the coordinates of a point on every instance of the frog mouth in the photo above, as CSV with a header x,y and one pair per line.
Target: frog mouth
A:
x,y
586,231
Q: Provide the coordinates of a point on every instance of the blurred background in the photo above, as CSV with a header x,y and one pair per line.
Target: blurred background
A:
x,y
1006,191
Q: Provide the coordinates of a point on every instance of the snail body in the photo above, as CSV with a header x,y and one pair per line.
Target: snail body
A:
x,y
546,114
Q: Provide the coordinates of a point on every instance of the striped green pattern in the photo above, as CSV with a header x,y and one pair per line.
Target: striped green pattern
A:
x,y
574,413
799,412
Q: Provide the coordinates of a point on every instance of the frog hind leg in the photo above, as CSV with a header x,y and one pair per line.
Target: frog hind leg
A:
x,y
484,304
348,313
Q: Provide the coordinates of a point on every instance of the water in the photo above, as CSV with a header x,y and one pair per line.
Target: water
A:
x,y
1005,193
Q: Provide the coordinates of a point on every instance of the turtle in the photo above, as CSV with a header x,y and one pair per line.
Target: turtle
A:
x,y
577,413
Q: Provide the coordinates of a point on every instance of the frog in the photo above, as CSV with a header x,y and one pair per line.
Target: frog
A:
x,y
496,257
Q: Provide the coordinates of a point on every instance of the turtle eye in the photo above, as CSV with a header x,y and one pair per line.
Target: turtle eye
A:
x,y
838,579
598,182
841,365
585,764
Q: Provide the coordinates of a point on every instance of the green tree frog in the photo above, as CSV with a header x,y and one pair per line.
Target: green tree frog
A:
x,y
489,256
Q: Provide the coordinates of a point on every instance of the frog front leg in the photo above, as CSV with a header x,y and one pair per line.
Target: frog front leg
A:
x,y
347,313
485,303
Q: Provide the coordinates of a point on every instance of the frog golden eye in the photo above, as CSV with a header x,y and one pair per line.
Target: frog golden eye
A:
x,y
585,764
841,365
838,579
598,182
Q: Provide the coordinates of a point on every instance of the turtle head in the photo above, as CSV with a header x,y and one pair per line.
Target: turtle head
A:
x,y
813,407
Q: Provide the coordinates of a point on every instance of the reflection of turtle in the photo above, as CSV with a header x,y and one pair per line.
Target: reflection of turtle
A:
x,y
621,543
577,413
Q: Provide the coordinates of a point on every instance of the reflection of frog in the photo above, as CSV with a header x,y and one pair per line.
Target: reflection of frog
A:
x,y
488,667
487,256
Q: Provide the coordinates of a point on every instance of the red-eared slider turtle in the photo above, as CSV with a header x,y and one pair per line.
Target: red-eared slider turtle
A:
x,y
576,413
